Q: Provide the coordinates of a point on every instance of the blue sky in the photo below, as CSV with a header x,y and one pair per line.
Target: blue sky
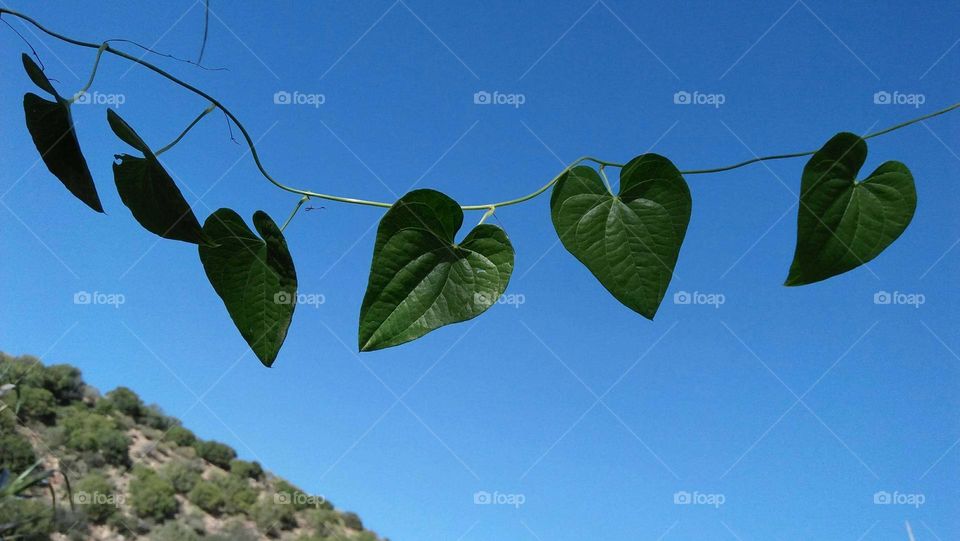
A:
x,y
793,406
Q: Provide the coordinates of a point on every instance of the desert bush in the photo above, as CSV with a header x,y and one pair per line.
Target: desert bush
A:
x,y
126,402
246,470
238,495
152,496
207,496
352,521
174,531
182,474
16,453
96,497
36,404
273,518
25,520
91,432
235,531
324,522
216,453
181,436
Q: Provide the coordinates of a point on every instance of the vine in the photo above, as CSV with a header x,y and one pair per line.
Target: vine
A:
x,y
421,278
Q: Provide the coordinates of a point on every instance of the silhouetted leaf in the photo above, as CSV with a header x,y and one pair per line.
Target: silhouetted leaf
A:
x,y
149,192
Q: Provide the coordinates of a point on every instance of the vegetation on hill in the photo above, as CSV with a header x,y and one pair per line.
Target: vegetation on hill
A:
x,y
75,465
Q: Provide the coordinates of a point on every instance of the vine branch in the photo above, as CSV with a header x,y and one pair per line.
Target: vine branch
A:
x,y
306,194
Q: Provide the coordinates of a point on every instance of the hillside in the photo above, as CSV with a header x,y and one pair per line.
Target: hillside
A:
x,y
118,469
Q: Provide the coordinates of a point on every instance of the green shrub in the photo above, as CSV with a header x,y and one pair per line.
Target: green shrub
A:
x,y
174,531
37,405
16,453
154,417
324,522
96,497
273,518
238,495
94,433
246,470
152,496
216,453
180,436
208,496
235,530
63,381
352,521
182,474
25,520
126,402
298,498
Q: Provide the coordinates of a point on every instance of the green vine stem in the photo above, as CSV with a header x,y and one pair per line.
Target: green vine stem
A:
x,y
93,74
300,203
170,145
488,207
486,215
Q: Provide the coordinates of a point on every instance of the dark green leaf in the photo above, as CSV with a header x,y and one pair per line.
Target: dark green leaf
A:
x,y
37,76
125,132
51,127
254,277
149,192
842,223
421,280
629,241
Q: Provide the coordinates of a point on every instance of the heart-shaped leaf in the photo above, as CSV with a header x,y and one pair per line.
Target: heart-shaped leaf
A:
x,y
147,190
51,127
254,277
421,279
842,223
629,241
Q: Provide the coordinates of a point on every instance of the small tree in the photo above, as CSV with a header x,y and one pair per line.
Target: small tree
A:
x,y
126,402
37,404
182,474
16,453
246,470
181,436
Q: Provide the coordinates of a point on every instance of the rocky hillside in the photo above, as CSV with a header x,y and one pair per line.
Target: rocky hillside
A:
x,y
112,468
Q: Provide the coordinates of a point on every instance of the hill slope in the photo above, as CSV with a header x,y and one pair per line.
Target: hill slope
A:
x,y
131,472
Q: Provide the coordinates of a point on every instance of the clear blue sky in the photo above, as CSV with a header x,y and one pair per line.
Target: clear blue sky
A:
x,y
703,400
